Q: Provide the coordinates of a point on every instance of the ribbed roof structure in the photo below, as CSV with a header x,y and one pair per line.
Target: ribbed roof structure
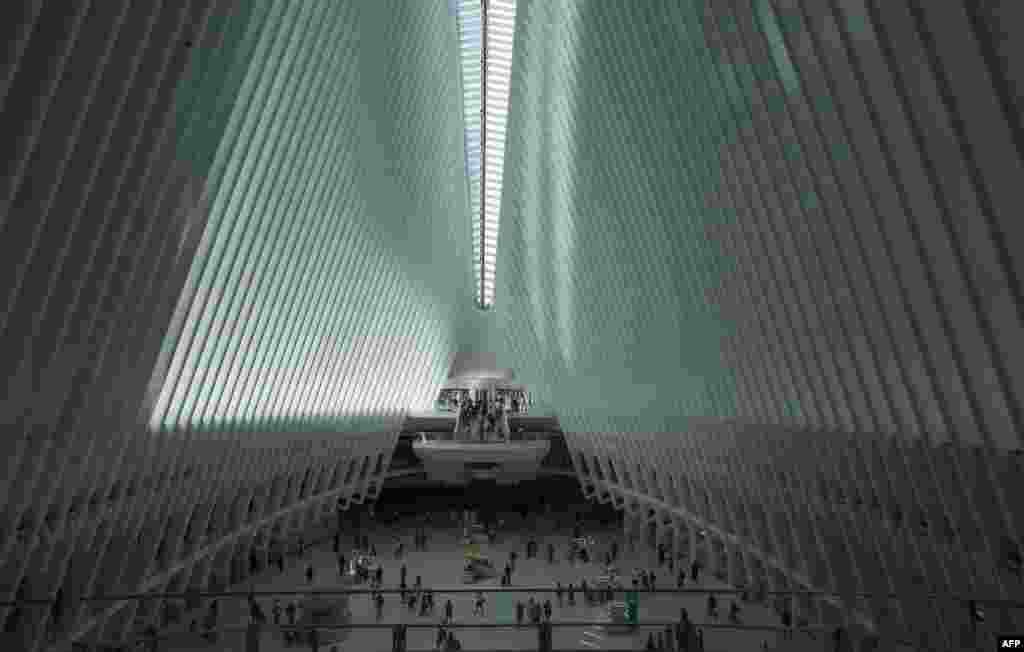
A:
x,y
759,257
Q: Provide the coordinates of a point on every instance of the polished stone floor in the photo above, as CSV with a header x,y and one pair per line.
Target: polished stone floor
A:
x,y
441,566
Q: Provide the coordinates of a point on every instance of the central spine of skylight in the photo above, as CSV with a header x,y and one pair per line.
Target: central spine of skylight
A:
x,y
486,29
499,31
482,275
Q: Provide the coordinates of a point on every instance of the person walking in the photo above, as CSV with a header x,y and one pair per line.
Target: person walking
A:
x,y
449,610
378,602
558,593
787,623
572,595
519,612
290,635
547,609
712,606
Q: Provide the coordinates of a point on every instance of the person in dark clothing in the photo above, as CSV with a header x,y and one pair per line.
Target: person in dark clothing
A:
x,y
694,571
734,612
57,610
547,609
519,612
558,593
712,606
290,612
309,573
378,602
449,610
572,595
380,575
787,623
650,647
838,637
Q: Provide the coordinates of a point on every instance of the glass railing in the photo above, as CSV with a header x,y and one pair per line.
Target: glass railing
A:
x,y
184,621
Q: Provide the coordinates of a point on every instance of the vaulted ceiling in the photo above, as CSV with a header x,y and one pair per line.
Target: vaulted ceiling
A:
x,y
756,254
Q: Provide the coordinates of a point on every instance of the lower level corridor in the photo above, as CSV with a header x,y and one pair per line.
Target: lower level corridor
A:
x,y
440,567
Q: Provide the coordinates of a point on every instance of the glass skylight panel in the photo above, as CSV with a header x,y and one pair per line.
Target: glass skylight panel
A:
x,y
485,138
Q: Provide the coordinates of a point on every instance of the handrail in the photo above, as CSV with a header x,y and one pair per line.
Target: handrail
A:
x,y
182,595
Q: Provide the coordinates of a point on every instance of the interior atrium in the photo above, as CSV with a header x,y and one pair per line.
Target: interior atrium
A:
x,y
725,291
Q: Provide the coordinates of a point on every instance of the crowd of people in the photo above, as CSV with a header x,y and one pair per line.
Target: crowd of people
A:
x,y
483,419
362,564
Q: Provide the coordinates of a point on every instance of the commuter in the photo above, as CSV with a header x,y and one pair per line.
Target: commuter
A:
x,y
378,602
380,575
276,611
547,609
838,639
478,607
651,647
700,640
519,612
668,638
309,573
734,612
551,553
585,591
558,593
787,623
449,610
572,595
680,579
442,637
712,606
290,612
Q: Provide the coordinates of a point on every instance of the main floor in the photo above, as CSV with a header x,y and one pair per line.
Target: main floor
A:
x,y
441,567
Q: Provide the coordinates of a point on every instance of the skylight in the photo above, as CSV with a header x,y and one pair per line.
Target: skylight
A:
x,y
486,32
